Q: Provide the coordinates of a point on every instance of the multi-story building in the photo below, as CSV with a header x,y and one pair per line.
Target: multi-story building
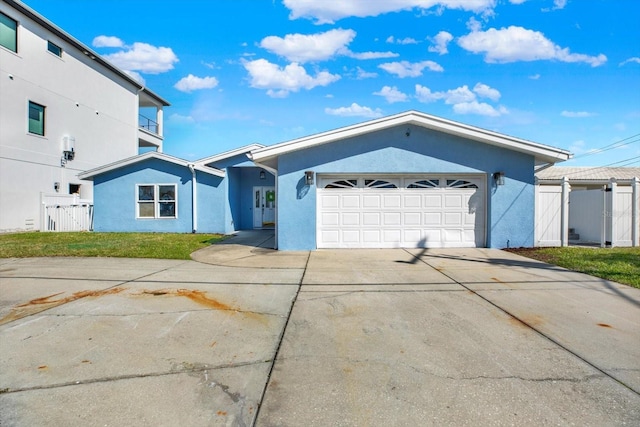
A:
x,y
63,110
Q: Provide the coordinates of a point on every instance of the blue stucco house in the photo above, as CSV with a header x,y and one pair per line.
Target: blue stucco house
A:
x,y
407,180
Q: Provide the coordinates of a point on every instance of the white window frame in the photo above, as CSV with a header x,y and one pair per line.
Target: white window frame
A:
x,y
156,201
56,46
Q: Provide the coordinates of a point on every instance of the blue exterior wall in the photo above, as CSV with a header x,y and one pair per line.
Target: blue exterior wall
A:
x,y
115,199
242,176
510,207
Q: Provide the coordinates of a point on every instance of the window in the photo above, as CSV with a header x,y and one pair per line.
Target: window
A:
x,y
36,118
424,183
156,201
8,33
54,48
343,183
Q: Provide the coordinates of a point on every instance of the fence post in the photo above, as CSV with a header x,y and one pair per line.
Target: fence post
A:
x,y
564,212
613,189
635,221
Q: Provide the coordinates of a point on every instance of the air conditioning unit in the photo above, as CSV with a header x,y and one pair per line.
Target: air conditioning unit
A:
x,y
68,147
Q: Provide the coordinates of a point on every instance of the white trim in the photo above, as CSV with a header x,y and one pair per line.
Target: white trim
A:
x,y
156,200
542,153
228,154
146,156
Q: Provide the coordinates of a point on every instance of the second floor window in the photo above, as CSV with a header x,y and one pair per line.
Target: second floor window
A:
x,y
54,48
36,118
8,33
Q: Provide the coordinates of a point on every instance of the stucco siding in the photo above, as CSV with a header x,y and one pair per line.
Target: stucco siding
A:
x,y
510,213
115,198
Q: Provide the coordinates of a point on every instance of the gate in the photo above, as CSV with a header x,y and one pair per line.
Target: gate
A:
x,y
66,213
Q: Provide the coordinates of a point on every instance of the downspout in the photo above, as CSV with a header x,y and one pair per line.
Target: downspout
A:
x,y
194,198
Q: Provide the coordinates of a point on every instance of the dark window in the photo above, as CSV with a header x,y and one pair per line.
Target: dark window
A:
x,y
36,118
54,48
157,201
8,32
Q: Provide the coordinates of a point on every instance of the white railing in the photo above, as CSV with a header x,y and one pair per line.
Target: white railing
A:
x,y
66,213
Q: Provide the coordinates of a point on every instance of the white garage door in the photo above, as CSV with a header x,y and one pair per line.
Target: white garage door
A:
x,y
401,211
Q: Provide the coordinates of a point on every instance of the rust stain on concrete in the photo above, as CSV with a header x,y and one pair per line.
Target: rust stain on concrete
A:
x,y
38,305
604,325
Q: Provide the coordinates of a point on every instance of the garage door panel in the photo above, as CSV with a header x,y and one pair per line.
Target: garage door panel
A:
x,y
350,201
430,216
412,218
351,218
371,218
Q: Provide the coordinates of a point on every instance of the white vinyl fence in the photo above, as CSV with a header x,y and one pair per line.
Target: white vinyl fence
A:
x,y
65,212
609,216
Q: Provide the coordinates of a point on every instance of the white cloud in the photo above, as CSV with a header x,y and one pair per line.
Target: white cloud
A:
x,y
324,12
145,58
303,48
577,114
279,82
392,94
440,42
313,47
191,83
407,69
464,101
633,59
485,91
178,118
406,40
372,55
535,77
479,108
557,5
520,44
517,1
362,74
107,41
136,76
354,110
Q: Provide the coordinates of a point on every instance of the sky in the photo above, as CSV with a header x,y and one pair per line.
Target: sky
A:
x,y
564,73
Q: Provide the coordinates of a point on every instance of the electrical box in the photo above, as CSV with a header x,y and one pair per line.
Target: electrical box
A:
x,y
68,147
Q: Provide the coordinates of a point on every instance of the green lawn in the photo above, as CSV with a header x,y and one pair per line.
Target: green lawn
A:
x,y
621,265
88,244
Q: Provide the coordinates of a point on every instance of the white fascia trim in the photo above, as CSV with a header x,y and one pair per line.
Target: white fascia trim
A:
x,y
146,156
228,154
543,152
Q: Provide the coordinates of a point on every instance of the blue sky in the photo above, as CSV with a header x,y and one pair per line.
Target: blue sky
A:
x,y
559,72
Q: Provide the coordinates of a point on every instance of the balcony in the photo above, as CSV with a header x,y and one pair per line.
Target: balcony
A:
x,y
150,124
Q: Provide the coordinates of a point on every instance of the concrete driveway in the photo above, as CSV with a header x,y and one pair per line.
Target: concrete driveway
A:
x,y
246,335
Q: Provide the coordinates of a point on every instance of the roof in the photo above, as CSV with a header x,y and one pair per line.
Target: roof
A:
x,y
588,174
147,156
542,153
231,153
50,26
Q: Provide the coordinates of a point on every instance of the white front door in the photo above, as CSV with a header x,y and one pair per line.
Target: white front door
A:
x,y
264,207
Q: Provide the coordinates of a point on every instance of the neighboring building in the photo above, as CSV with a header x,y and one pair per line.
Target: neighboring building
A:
x,y
63,109
588,205
408,180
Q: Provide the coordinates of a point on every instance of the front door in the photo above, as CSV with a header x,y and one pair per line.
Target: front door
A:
x,y
264,207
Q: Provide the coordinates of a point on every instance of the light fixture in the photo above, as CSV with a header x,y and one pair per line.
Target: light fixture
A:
x,y
262,175
407,132
56,186
308,177
498,177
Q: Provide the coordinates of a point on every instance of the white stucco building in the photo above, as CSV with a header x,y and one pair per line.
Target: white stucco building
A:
x,y
63,110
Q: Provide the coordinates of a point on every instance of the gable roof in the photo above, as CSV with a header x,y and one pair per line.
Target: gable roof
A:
x,y
231,153
542,153
146,156
588,174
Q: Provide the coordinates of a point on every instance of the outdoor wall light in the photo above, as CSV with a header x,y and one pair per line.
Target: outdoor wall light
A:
x,y
407,132
56,186
498,177
308,177
262,175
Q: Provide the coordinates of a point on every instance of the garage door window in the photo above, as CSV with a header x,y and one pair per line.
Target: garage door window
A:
x,y
343,183
378,183
424,183
459,183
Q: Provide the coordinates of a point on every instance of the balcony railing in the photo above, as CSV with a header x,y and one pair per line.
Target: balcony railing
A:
x,y
147,124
